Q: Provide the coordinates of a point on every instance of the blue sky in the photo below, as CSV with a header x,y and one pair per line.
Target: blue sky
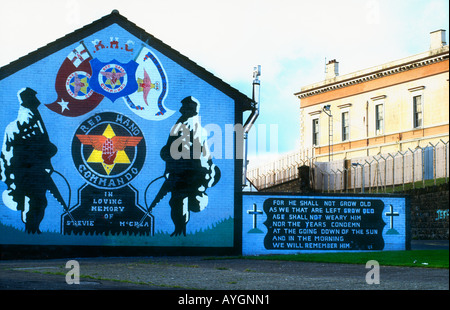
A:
x,y
289,39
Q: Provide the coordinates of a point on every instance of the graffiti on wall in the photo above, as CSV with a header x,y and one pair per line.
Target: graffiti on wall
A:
x,y
107,148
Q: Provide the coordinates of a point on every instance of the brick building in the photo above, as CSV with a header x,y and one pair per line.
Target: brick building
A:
x,y
388,108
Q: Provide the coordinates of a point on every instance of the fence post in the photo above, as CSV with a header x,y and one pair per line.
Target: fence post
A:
x,y
362,176
434,162
363,179
445,159
323,181
312,179
403,169
370,174
328,179
343,181
385,172
423,166
413,167
393,172
334,177
377,173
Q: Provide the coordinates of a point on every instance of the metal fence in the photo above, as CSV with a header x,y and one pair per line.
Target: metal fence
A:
x,y
373,174
280,171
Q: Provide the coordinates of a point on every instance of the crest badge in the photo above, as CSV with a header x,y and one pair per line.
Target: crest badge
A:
x,y
108,150
148,101
113,79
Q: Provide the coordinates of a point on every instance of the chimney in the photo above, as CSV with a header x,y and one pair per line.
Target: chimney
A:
x,y
332,69
437,39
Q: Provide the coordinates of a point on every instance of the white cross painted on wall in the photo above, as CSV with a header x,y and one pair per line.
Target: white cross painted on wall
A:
x,y
255,212
391,214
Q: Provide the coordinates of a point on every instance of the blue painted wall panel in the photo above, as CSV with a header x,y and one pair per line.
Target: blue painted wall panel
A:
x,y
103,100
287,224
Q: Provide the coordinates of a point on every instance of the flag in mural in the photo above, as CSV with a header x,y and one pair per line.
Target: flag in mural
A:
x,y
75,96
113,79
148,100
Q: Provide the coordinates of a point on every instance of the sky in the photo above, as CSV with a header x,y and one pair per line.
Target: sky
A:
x,y
290,39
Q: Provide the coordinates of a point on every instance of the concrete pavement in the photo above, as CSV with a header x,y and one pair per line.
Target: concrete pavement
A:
x,y
200,273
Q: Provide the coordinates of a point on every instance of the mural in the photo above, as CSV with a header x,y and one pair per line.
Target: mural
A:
x,y
111,157
26,163
152,89
75,96
108,150
286,224
189,168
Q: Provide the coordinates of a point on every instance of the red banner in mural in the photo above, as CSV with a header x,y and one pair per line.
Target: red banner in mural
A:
x,y
75,96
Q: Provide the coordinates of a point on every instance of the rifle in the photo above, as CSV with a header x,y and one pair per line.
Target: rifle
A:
x,y
165,188
55,192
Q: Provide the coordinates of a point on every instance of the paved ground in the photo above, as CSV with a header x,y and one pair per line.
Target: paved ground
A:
x,y
225,275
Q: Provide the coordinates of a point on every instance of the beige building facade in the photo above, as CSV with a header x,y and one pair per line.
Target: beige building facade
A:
x,y
384,109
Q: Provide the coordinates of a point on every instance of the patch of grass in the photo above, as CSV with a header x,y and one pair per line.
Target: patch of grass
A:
x,y
415,258
201,238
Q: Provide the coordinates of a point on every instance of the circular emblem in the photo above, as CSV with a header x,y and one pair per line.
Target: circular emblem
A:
x,y
108,150
112,78
77,85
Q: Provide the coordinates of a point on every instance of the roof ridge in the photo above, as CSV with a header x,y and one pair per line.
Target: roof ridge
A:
x,y
140,33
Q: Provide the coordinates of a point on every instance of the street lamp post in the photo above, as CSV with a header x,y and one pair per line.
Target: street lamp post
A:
x,y
327,110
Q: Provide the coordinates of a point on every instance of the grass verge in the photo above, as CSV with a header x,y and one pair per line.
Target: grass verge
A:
x,y
414,258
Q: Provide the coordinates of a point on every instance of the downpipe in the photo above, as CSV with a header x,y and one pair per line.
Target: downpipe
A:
x,y
252,118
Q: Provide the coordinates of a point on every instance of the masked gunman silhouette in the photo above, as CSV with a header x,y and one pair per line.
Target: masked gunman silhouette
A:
x,y
189,167
25,164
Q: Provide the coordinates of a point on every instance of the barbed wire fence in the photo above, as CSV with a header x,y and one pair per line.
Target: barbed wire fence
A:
x,y
372,174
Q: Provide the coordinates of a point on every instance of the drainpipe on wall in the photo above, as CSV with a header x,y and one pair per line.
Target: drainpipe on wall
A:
x,y
367,128
252,118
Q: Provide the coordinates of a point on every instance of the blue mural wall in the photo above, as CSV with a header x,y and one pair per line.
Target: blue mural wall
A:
x,y
89,137
287,224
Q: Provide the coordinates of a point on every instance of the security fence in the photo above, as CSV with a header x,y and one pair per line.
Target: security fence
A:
x,y
280,171
373,174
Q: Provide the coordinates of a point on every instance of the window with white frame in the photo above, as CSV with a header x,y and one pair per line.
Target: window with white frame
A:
x,y
379,119
416,95
315,131
417,111
345,126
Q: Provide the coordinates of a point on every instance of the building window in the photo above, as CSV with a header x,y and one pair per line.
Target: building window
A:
x,y
315,131
345,126
379,119
417,111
